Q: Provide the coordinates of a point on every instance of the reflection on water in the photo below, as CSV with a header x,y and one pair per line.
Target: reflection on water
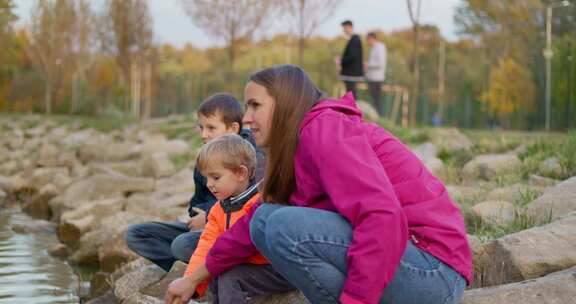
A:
x,y
27,273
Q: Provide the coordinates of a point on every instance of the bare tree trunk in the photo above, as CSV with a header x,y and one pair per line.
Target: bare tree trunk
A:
x,y
415,17
48,98
416,72
441,76
302,33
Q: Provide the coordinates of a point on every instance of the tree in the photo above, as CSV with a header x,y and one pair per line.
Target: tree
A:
x,y
511,88
7,18
83,44
306,16
51,36
414,13
233,21
127,34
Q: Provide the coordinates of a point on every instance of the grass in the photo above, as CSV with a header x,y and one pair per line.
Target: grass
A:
x,y
523,218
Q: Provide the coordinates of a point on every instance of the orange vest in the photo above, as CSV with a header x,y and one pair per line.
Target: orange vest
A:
x,y
216,226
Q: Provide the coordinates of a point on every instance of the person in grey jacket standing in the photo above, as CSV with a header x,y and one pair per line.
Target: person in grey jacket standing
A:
x,y
375,69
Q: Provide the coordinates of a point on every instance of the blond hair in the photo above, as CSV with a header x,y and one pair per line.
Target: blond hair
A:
x,y
230,151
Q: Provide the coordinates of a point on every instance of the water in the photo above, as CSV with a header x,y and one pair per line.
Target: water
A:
x,y
28,274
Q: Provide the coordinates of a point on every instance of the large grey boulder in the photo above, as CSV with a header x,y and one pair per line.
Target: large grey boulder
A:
x,y
157,165
462,194
556,201
98,187
496,212
516,193
111,228
75,223
555,288
137,280
489,166
450,139
527,254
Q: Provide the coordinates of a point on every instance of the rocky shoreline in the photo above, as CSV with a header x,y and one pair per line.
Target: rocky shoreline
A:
x,y
94,184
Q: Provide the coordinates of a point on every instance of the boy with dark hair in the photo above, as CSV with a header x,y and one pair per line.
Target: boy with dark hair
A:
x,y
165,242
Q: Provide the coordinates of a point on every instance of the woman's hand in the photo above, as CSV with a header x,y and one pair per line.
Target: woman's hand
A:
x,y
180,291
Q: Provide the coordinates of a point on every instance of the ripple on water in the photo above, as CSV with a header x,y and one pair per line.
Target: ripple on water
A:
x,y
27,273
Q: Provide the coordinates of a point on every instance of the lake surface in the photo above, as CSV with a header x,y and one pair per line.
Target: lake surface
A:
x,y
28,274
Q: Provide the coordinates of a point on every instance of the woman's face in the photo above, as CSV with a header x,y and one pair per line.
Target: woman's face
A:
x,y
259,110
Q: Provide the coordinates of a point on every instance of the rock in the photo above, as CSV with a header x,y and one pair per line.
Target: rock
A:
x,y
148,203
138,298
368,110
137,280
37,226
425,150
159,144
474,242
37,205
43,176
541,181
106,298
75,223
489,166
527,254
158,289
513,193
98,187
435,165
554,288
551,166
181,182
449,139
110,229
108,152
462,194
77,139
294,297
497,212
158,165
48,156
127,168
556,201
114,254
59,250
3,196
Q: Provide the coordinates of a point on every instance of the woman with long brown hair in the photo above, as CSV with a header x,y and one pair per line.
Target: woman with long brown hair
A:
x,y
349,213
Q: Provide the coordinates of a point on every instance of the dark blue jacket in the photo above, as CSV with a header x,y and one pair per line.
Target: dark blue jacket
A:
x,y
203,198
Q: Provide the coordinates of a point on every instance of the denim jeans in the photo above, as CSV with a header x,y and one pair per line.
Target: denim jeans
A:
x,y
309,248
162,242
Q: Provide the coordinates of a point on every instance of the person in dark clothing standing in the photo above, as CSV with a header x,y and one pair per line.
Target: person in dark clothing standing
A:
x,y
351,64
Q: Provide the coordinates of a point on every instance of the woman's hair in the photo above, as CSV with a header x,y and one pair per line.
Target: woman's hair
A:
x,y
230,151
294,94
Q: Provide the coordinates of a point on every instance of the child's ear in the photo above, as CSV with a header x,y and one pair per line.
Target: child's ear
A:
x,y
242,173
235,127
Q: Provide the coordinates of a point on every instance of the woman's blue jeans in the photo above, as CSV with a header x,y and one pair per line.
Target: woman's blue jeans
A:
x,y
309,248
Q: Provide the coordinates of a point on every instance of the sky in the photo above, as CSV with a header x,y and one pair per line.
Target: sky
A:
x,y
172,25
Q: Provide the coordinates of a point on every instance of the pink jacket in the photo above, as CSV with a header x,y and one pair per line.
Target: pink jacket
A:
x,y
364,173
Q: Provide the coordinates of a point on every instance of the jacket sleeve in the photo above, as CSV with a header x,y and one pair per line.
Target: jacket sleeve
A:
x,y
202,198
207,239
365,197
232,248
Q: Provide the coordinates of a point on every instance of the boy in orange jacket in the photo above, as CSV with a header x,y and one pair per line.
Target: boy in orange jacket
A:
x,y
228,162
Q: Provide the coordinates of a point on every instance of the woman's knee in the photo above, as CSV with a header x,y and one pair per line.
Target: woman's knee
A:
x,y
258,224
